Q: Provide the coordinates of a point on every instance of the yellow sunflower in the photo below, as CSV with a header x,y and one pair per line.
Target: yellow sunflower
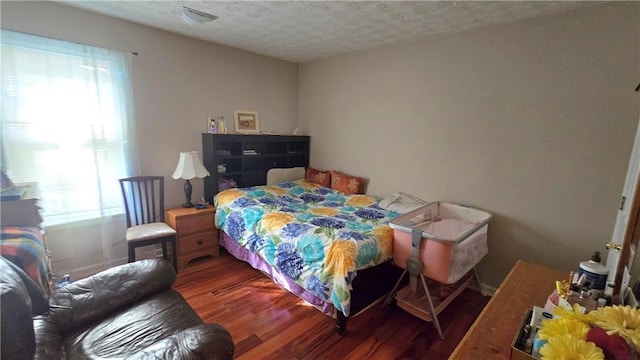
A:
x,y
576,313
325,211
360,200
276,220
621,320
228,196
341,257
567,347
559,326
308,184
276,190
385,240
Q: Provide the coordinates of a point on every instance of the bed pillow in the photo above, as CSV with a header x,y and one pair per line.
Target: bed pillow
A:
x,y
401,202
319,177
277,175
347,184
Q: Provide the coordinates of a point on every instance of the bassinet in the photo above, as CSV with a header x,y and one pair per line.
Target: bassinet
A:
x,y
440,241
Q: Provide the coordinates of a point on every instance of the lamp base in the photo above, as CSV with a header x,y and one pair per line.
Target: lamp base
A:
x,y
187,194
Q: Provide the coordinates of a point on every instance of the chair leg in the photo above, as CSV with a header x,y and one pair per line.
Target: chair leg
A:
x,y
164,249
174,254
132,253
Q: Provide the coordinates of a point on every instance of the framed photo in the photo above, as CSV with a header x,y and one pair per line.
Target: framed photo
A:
x,y
246,122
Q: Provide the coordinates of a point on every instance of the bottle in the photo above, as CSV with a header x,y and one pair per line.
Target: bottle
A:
x,y
537,345
66,279
595,272
212,125
584,300
528,345
222,127
602,302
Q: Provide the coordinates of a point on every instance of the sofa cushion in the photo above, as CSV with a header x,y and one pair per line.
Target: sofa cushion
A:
x,y
16,327
87,300
133,329
206,341
37,296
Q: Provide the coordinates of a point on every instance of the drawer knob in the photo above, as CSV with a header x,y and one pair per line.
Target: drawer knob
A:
x,y
199,242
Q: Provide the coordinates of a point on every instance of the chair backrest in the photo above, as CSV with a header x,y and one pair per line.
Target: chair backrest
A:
x,y
143,199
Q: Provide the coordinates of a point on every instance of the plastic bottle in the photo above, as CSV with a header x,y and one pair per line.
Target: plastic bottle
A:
x,y
66,279
584,300
596,272
537,345
212,126
222,127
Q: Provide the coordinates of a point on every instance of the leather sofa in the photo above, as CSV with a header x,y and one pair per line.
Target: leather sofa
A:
x,y
129,311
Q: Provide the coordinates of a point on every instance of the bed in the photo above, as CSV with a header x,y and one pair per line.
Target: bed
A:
x,y
332,250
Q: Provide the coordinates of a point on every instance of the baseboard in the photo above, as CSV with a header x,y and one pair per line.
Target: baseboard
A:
x,y
86,271
487,290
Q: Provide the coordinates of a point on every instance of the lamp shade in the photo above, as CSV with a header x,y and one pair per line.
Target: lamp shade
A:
x,y
189,166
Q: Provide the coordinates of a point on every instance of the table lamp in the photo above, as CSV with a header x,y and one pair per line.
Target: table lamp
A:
x,y
189,167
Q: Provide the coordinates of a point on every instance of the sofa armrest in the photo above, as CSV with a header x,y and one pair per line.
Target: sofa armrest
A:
x,y
48,340
84,301
16,325
206,341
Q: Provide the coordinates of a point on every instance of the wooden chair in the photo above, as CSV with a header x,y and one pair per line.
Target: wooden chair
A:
x,y
144,204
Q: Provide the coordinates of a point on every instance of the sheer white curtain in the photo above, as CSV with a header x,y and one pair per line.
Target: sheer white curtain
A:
x,y
67,125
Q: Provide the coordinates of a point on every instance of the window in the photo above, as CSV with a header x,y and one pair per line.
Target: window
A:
x,y
66,122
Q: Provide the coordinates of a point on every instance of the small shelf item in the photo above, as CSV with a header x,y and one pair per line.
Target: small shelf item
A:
x,y
246,122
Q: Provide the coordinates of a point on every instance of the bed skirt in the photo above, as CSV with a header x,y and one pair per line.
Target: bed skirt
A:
x,y
258,263
369,285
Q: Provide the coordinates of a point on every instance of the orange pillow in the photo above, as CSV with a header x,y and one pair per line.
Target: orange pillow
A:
x,y
346,183
319,177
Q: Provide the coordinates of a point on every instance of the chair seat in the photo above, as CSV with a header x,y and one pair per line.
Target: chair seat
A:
x,y
149,231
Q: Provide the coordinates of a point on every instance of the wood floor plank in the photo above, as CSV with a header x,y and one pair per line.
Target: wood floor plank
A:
x,y
267,322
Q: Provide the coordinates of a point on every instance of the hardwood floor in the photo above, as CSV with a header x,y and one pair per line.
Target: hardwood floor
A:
x,y
267,322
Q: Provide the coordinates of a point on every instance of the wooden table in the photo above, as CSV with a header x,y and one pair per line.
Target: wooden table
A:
x,y
492,333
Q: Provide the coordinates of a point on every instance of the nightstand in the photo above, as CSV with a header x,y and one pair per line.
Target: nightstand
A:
x,y
197,235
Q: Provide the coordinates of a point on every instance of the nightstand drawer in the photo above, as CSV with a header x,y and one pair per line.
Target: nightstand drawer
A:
x,y
197,242
193,224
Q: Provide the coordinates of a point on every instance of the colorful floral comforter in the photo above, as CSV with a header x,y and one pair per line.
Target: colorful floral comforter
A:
x,y
316,236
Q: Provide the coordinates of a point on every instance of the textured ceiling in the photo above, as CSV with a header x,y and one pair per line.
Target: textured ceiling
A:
x,y
301,31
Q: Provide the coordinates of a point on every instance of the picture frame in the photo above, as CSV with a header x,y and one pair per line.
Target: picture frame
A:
x,y
246,122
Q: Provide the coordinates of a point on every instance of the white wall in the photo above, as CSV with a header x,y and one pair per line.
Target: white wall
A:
x,y
532,121
177,82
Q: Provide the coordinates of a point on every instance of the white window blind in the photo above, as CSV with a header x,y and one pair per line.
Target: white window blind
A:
x,y
67,124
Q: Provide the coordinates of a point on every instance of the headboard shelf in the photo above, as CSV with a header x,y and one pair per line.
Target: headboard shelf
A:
x,y
247,158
